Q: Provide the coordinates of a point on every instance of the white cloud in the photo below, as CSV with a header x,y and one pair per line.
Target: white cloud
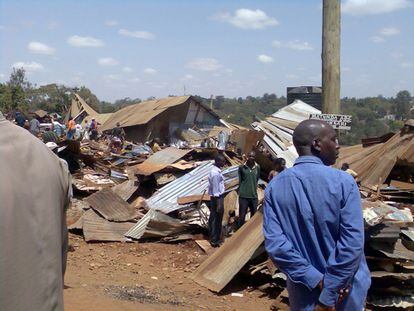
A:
x,y
29,66
2,76
40,48
396,55
368,7
291,76
107,61
265,59
390,31
138,34
112,77
135,80
377,39
407,65
247,19
150,71
127,69
111,23
79,41
188,77
204,64
53,25
293,45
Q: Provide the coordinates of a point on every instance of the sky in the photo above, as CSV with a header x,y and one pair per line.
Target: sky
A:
x,y
146,48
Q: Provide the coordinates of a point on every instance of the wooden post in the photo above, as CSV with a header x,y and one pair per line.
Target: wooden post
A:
x,y
331,28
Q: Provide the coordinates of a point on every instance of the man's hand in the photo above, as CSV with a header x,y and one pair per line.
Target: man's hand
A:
x,y
343,293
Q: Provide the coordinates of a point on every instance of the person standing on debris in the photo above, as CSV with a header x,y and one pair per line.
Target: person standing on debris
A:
x,y
119,132
249,174
33,235
58,128
20,119
216,191
71,128
279,166
314,229
35,126
345,168
93,129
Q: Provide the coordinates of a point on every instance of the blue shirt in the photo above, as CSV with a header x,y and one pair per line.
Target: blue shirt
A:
x,y
215,182
314,230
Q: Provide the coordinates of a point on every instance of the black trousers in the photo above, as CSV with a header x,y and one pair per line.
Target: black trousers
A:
x,y
245,203
216,218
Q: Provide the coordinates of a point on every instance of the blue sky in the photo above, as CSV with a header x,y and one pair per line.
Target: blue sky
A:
x,y
233,48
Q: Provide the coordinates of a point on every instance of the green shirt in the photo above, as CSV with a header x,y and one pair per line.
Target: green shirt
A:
x,y
248,178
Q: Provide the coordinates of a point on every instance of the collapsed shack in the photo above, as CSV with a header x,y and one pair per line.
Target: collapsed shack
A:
x,y
139,195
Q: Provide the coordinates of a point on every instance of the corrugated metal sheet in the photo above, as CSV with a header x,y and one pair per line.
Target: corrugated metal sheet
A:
x,y
193,183
279,127
160,160
96,228
156,225
143,112
111,206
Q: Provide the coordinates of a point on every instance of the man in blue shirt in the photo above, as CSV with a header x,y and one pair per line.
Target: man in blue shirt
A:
x,y
313,226
216,190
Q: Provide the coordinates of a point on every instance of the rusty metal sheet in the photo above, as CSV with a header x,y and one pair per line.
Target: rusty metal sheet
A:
x,y
156,225
220,268
160,160
96,228
111,206
193,198
125,190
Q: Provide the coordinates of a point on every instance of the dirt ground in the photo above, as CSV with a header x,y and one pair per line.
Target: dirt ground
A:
x,y
147,276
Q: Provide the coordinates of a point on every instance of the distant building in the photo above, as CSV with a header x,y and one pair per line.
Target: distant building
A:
x,y
162,117
312,95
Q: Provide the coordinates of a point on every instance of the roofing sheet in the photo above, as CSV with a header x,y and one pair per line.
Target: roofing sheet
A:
x,y
160,160
143,112
193,183
156,225
111,206
96,228
278,129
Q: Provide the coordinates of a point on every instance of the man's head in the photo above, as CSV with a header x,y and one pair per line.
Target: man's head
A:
x,y
318,138
219,160
345,166
157,140
118,124
251,158
279,164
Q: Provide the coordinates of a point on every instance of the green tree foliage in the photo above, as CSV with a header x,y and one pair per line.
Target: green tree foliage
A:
x,y
19,86
402,104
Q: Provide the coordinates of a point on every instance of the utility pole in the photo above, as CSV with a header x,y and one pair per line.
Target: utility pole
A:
x,y
331,32
211,101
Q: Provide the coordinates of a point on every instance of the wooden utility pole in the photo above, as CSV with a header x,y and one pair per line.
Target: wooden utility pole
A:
x,y
331,37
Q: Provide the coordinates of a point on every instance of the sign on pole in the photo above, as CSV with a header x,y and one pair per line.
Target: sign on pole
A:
x,y
338,121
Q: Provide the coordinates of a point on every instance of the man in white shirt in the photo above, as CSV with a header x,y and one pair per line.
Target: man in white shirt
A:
x,y
216,191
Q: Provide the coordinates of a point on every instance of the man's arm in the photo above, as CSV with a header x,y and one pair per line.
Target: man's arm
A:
x,y
282,252
346,256
214,184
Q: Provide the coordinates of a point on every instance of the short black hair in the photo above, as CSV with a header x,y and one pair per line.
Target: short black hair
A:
x,y
219,158
279,161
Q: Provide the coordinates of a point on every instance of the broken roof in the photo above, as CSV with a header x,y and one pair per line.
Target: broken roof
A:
x,y
79,105
144,112
278,129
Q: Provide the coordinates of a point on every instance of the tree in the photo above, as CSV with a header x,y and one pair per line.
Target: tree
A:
x,y
19,87
402,104
89,98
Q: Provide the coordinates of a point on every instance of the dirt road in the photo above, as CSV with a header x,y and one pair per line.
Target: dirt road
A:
x,y
146,276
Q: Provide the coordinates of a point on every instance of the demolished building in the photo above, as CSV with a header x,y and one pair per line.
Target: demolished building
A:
x,y
162,117
81,112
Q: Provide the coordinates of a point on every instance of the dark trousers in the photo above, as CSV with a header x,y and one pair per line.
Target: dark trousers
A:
x,y
216,218
245,203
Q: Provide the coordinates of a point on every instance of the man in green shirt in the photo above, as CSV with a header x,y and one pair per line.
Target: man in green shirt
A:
x,y
249,174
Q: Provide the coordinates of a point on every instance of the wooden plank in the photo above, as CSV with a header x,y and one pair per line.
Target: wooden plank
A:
x,y
204,245
193,199
220,268
402,185
111,206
